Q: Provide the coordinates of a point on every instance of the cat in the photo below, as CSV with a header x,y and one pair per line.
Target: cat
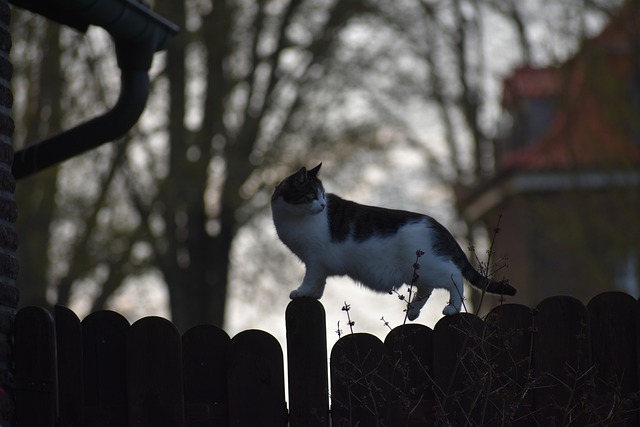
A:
x,y
374,246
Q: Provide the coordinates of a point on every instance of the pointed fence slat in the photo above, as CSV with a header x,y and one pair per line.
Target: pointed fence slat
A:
x,y
35,387
561,360
205,354
104,335
256,380
614,325
359,380
154,374
307,363
70,385
409,349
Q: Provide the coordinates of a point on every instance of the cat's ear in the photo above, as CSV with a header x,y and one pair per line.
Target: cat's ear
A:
x,y
314,172
301,176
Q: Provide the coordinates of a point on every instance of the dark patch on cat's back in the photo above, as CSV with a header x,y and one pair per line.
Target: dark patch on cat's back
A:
x,y
363,222
445,245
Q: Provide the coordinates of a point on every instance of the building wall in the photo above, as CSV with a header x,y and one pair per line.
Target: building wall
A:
x,y
577,243
511,250
8,214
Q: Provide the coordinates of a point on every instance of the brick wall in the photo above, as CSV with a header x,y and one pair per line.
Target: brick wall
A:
x,y
8,214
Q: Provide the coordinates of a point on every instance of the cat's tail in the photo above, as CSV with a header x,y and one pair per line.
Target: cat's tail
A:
x,y
500,287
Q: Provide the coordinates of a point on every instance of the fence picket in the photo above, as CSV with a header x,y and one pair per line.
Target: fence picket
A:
x,y
614,317
561,360
509,332
154,374
409,348
307,363
205,351
256,380
104,368
460,359
70,385
35,387
359,379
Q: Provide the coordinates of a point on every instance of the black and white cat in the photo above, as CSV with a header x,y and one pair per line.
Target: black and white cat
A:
x,y
372,245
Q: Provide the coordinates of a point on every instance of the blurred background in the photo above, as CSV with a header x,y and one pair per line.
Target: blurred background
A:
x,y
519,113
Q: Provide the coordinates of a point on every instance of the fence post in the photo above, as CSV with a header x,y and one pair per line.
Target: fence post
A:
x,y
35,368
104,336
70,384
256,380
307,363
154,374
205,355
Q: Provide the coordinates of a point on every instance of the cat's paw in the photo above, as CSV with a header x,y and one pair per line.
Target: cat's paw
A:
x,y
297,293
413,314
450,310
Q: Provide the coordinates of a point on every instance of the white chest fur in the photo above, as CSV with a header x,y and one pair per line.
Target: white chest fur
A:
x,y
303,233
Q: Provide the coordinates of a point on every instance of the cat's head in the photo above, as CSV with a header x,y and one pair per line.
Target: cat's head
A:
x,y
301,192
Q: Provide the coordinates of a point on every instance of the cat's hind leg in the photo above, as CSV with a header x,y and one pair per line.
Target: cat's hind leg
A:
x,y
456,295
312,285
421,298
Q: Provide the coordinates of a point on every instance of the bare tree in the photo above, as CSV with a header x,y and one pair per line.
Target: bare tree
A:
x,y
173,195
248,89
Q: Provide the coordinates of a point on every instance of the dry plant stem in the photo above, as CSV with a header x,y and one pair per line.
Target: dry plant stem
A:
x,y
346,307
386,323
490,254
484,267
483,339
488,395
414,279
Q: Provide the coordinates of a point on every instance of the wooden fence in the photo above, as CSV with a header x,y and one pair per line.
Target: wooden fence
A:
x,y
560,363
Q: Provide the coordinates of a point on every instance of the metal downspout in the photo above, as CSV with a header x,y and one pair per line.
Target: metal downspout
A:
x,y
139,34
134,91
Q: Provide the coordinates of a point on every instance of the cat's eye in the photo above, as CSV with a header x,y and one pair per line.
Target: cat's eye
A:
x,y
309,197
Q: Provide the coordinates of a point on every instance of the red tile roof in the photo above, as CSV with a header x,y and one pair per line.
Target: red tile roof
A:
x,y
529,82
596,125
579,138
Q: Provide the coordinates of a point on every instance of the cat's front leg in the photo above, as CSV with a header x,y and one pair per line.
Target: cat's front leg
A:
x,y
422,296
312,285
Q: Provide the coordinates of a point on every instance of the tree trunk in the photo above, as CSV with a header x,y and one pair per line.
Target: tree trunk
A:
x,y
36,194
195,264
